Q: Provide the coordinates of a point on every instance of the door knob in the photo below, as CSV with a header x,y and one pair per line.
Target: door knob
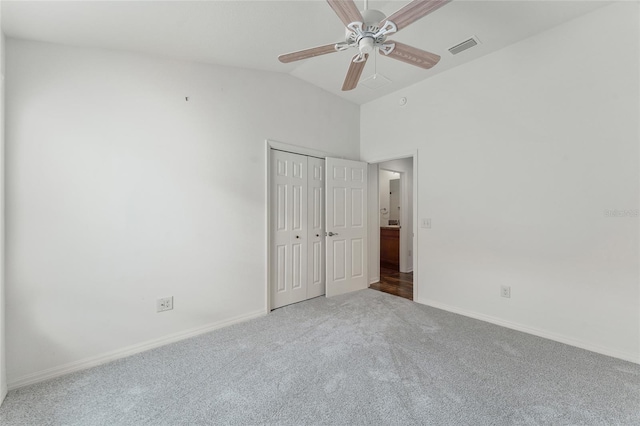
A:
x,y
331,234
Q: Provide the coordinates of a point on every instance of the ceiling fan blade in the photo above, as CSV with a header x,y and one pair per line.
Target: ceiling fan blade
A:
x,y
354,73
413,11
307,53
346,10
412,55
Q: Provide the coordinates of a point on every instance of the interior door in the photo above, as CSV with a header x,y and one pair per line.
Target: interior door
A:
x,y
289,228
316,237
346,226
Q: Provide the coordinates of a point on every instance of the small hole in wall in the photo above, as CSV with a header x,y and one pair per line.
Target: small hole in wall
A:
x,y
186,98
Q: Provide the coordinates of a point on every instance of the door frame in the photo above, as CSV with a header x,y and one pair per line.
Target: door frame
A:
x,y
295,149
375,250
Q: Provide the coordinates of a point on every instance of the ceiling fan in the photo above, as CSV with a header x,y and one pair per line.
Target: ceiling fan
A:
x,y
367,31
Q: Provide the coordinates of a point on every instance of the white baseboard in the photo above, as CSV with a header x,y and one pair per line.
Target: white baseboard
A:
x,y
374,280
627,356
83,364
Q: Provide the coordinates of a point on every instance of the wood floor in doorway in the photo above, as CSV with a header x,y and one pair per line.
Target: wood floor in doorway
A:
x,y
395,282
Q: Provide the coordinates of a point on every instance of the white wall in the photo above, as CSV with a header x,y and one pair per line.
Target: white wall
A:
x,y
3,365
119,191
521,152
384,176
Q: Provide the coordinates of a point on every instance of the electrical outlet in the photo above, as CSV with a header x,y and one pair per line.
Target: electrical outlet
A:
x,y
426,223
164,304
505,291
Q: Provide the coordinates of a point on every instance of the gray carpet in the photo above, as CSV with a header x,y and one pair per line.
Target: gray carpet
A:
x,y
364,358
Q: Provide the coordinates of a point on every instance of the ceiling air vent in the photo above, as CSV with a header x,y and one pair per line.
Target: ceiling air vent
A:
x,y
467,44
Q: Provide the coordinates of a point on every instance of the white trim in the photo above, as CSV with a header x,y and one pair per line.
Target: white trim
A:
x,y
627,356
267,203
414,254
373,213
393,157
83,364
300,150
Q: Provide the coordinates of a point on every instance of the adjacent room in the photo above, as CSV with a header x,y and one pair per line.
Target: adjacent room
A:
x,y
395,200
320,212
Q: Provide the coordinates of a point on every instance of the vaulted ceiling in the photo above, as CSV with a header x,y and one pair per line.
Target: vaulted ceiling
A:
x,y
251,34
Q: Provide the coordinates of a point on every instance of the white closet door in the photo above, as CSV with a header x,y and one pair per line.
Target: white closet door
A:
x,y
346,225
315,267
289,242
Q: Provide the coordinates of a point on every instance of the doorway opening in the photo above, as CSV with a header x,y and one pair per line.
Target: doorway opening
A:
x,y
394,228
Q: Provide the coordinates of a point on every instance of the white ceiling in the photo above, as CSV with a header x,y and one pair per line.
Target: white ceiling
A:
x,y
251,34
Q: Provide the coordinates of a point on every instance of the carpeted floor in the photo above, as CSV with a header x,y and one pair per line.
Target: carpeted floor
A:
x,y
363,358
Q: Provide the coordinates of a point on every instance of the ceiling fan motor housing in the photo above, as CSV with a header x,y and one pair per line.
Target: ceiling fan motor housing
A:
x,y
371,19
365,39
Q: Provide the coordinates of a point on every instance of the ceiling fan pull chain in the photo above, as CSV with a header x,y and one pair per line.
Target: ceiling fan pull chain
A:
x,y
375,66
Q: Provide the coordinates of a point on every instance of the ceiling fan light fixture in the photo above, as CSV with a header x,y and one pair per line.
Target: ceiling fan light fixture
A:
x,y
365,45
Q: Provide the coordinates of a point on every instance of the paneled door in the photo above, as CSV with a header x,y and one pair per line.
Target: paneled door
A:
x,y
297,249
289,229
316,238
346,226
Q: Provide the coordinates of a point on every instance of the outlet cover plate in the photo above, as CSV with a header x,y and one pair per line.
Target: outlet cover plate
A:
x,y
164,304
505,291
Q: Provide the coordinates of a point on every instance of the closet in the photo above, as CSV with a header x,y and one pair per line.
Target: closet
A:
x,y
297,240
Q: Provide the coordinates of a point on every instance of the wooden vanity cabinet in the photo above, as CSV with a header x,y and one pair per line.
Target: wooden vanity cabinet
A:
x,y
390,247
